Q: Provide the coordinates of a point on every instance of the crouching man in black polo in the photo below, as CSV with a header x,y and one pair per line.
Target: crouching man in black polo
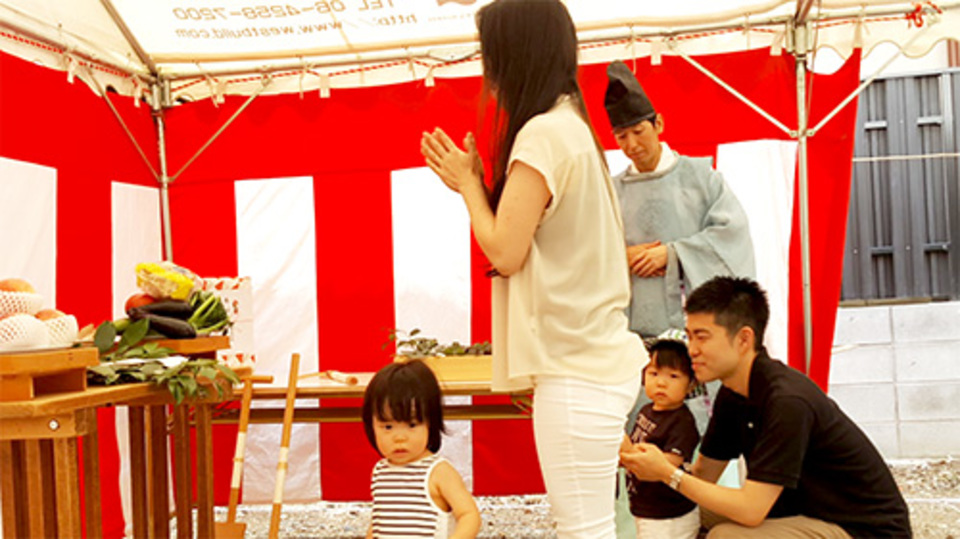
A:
x,y
811,472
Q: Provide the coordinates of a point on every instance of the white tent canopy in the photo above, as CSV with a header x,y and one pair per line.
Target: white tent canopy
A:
x,y
207,48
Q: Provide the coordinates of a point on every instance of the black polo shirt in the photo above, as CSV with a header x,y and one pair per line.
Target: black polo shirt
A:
x,y
793,435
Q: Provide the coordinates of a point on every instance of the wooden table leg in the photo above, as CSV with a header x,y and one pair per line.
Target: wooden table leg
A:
x,y
91,479
67,488
34,485
205,522
182,471
11,482
159,482
138,472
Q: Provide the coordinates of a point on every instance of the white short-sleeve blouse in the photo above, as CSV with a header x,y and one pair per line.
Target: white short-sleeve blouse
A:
x,y
563,312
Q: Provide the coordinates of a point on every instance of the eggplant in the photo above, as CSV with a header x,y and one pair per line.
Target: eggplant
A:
x,y
167,307
168,326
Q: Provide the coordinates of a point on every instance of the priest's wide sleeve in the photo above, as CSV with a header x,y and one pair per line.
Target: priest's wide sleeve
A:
x,y
723,245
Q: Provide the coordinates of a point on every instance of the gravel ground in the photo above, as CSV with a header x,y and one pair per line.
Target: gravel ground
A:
x,y
931,488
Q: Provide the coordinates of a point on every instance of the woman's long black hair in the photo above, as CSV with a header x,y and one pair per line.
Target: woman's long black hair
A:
x,y
529,50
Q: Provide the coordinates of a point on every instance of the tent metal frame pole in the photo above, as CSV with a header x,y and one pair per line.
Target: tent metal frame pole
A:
x,y
801,41
715,78
863,86
263,86
161,101
802,45
128,35
164,179
116,114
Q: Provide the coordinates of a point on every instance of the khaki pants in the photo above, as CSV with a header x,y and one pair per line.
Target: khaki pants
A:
x,y
798,527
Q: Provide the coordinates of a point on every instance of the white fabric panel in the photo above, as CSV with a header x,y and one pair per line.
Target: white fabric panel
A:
x,y
617,161
276,248
135,229
28,225
136,237
761,174
431,279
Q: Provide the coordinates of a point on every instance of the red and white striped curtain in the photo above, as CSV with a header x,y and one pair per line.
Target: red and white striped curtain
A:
x,y
325,205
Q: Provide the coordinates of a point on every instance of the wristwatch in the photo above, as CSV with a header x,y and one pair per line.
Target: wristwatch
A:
x,y
675,479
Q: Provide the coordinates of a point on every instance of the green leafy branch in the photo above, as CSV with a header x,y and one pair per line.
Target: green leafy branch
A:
x,y
184,380
131,343
416,347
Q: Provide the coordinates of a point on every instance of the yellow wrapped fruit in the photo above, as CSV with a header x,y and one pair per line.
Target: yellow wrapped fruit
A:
x,y
166,280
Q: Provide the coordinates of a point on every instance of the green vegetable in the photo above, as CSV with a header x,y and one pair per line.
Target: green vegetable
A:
x,y
209,314
416,347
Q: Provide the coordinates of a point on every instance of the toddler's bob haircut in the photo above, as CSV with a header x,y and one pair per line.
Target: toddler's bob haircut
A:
x,y
672,354
404,392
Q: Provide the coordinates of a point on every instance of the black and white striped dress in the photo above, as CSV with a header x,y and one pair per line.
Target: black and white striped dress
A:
x,y
402,506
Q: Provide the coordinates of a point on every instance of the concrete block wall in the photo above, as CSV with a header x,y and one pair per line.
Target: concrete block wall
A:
x,y
896,371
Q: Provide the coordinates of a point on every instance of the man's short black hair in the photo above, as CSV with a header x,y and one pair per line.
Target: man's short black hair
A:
x,y
404,392
734,302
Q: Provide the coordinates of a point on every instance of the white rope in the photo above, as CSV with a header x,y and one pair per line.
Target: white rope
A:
x,y
905,157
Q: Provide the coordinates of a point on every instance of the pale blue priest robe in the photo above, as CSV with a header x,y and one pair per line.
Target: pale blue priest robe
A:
x,y
689,208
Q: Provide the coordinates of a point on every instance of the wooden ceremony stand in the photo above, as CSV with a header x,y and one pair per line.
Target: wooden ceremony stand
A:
x,y
39,471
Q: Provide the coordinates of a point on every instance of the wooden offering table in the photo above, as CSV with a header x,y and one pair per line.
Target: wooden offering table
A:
x,y
148,452
38,444
349,410
38,453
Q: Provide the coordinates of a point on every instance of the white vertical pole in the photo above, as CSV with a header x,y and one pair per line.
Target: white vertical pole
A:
x,y
800,54
159,101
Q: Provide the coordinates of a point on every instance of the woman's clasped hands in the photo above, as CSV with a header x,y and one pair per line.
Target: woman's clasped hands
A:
x,y
457,168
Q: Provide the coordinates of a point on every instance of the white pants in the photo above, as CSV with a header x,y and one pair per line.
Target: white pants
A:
x,y
682,527
578,426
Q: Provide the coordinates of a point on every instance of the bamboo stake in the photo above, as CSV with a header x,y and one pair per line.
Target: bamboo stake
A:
x,y
237,475
284,447
231,529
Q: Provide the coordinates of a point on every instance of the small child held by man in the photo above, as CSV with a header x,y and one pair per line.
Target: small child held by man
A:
x,y
666,422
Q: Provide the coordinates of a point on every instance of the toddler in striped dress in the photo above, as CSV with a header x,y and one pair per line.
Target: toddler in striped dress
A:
x,y
415,492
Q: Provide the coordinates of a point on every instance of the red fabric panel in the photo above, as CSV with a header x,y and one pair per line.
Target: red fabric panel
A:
x,y
499,468
67,127
354,309
698,113
203,226
830,167
349,144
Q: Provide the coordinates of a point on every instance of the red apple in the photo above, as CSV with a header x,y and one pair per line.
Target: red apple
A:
x,y
138,300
